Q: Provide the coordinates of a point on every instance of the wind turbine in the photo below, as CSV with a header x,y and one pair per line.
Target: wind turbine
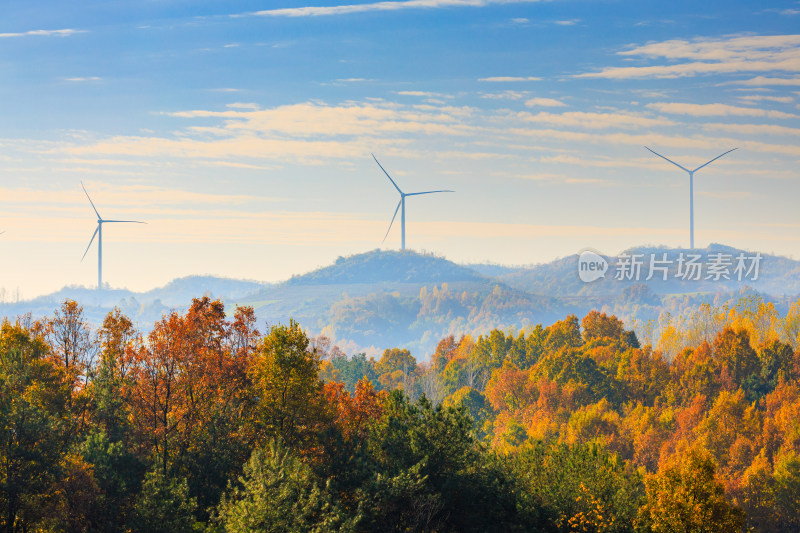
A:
x,y
401,203
99,234
691,189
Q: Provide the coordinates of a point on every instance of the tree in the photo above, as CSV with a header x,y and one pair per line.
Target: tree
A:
x,y
164,506
188,389
35,428
737,358
428,473
685,496
70,339
279,493
578,487
396,359
110,445
598,325
564,333
288,390
352,369
445,351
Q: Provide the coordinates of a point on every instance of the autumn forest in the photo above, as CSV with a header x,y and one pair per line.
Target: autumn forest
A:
x,y
212,422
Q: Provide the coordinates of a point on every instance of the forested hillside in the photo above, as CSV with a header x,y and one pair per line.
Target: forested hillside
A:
x,y
208,424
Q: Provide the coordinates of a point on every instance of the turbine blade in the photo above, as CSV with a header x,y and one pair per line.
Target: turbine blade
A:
x,y
427,192
720,155
396,209
670,160
91,202
387,174
91,241
131,221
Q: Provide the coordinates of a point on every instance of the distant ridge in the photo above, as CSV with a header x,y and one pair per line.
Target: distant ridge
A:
x,y
387,298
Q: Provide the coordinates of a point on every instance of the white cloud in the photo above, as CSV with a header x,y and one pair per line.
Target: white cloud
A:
x,y
605,162
760,81
716,110
753,129
78,79
766,97
243,105
511,79
45,33
570,22
650,139
424,94
582,119
506,95
316,11
520,20
544,102
750,53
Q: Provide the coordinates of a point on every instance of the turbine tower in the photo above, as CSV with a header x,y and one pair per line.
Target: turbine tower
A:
x,y
401,204
691,189
99,234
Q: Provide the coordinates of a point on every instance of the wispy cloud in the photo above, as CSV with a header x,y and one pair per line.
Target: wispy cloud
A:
x,y
588,120
45,33
570,22
424,94
760,81
753,129
716,110
506,95
309,132
544,102
507,79
751,53
766,97
88,78
346,9
124,196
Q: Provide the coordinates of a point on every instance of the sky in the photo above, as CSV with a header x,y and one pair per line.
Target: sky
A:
x,y
241,132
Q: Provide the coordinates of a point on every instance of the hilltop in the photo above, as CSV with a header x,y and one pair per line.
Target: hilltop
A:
x,y
389,266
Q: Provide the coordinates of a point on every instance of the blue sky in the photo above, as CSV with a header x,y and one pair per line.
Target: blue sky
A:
x,y
242,131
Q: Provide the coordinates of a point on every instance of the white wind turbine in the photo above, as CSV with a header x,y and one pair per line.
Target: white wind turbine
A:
x,y
401,204
99,234
691,189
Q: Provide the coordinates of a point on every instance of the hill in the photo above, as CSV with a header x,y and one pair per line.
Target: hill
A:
x,y
143,307
776,275
388,298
